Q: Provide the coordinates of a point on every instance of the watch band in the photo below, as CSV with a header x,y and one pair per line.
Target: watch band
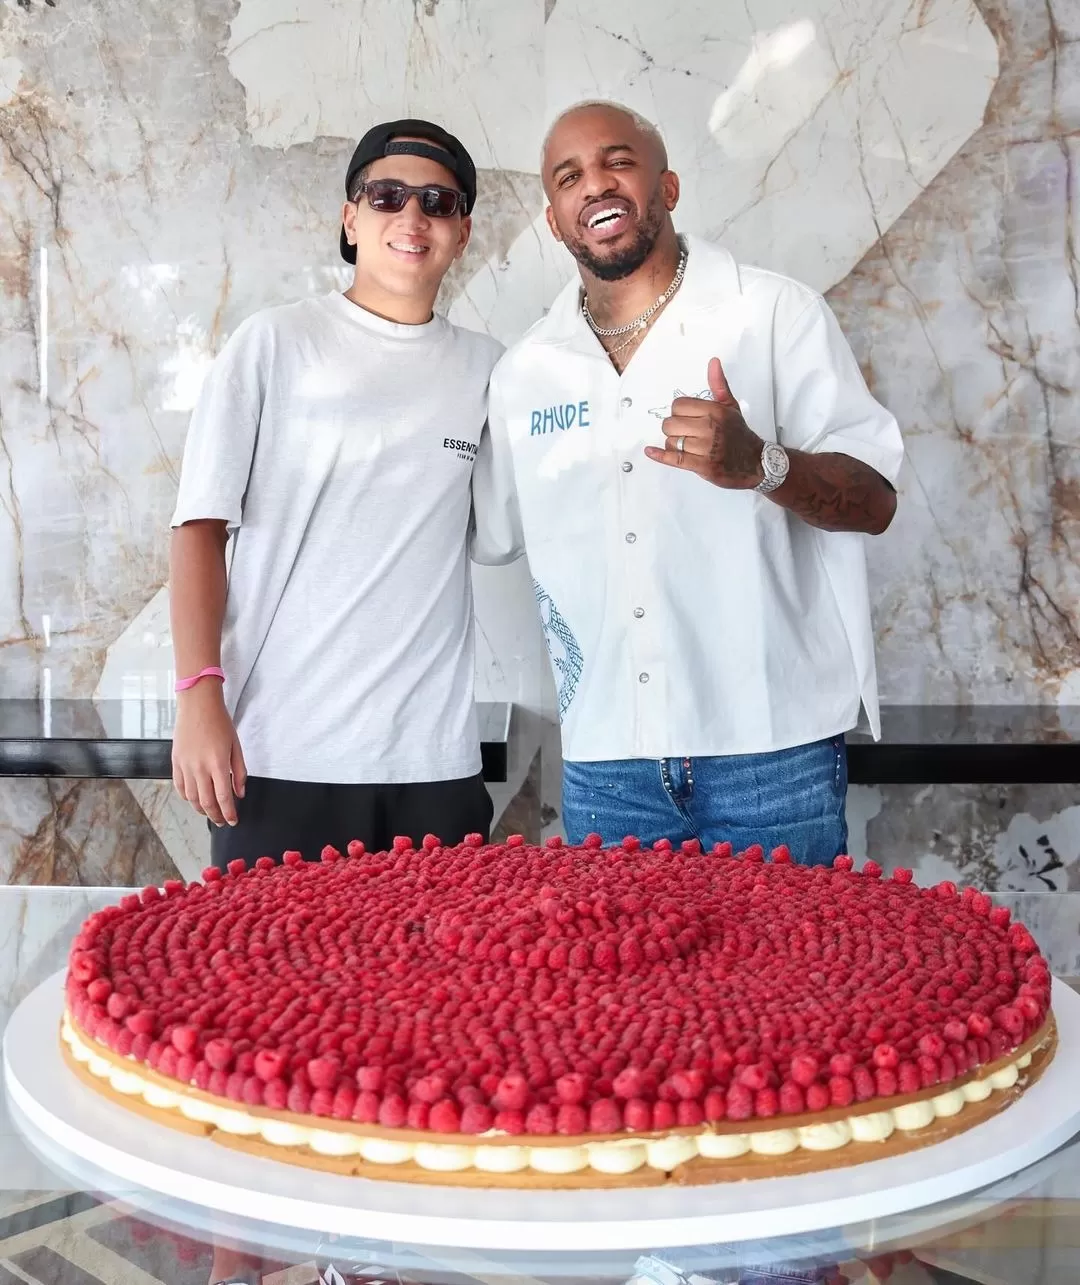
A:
x,y
774,464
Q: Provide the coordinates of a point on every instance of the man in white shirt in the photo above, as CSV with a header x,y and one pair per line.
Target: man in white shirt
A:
x,y
341,443
697,460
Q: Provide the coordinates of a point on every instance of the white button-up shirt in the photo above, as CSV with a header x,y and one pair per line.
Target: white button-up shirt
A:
x,y
682,618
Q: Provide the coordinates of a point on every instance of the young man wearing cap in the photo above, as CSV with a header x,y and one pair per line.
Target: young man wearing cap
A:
x,y
698,461
337,472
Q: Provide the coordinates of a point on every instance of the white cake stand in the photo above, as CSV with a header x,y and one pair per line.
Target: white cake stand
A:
x,y
177,1165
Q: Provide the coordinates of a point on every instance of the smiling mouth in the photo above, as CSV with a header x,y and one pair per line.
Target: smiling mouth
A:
x,y
407,247
606,216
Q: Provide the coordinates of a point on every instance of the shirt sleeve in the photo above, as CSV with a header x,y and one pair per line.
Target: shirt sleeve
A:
x,y
221,436
495,534
822,401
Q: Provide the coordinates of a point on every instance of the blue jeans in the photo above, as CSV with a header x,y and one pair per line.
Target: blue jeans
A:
x,y
794,797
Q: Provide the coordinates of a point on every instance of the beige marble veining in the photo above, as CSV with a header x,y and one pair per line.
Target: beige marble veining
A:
x,y
167,171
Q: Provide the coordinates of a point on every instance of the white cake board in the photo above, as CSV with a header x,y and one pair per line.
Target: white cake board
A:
x,y
198,1170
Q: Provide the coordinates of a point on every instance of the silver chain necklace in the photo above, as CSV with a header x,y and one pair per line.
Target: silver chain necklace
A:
x,y
639,323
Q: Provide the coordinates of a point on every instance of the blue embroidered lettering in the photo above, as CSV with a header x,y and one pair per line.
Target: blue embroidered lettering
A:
x,y
583,411
535,425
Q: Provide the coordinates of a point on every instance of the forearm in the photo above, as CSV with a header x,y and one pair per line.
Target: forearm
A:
x,y
197,585
836,492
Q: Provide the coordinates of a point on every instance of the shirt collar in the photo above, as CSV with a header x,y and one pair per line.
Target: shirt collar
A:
x,y
711,276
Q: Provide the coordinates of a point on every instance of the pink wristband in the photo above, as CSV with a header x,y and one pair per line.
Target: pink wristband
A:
x,y
182,684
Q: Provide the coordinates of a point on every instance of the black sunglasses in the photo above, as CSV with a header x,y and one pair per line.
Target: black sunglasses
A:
x,y
388,196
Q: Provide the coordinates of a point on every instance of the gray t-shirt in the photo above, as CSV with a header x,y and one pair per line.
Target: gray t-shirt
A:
x,y
350,458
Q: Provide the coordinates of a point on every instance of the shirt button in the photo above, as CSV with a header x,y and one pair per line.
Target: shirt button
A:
x,y
630,537
643,678
638,612
626,403
627,467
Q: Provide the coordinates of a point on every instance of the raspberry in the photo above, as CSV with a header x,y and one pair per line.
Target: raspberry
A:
x,y
871,870
754,1077
370,1079
954,1031
571,1088
908,1078
444,1117
299,1099
292,858
512,1093
185,1039
932,1044
865,1084
664,1116
901,875
766,1103
571,1119
841,1091
344,1100
270,1064
605,1116
817,1097
804,1070
929,1070
263,864
99,990
781,856
886,1057
355,848
843,863
637,1115
275,1095
1029,1007
740,1102
715,1105
510,1121
329,854
237,868
1010,1020
477,1118
791,1098
886,1081
689,1114
143,1023
629,1083
253,1091
689,1084
540,1120
841,1064
979,1025
324,1073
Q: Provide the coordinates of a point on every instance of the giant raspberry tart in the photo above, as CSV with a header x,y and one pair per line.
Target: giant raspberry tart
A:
x,y
559,1016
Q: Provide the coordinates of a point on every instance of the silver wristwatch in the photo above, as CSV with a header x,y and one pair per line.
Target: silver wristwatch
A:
x,y
775,464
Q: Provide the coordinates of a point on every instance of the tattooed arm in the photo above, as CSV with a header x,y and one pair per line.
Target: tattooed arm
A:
x,y
836,492
828,489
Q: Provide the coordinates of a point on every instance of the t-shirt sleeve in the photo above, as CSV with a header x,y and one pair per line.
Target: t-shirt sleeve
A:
x,y
221,436
495,535
822,401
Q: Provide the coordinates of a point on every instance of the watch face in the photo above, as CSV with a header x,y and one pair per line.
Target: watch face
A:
x,y
774,459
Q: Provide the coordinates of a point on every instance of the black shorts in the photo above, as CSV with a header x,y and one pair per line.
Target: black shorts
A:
x,y
282,816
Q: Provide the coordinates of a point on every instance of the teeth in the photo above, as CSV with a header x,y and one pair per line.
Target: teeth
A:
x,y
603,216
409,249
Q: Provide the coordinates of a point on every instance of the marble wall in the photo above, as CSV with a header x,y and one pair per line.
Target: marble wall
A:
x,y
167,170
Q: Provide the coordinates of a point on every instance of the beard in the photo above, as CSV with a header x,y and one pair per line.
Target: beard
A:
x,y
625,262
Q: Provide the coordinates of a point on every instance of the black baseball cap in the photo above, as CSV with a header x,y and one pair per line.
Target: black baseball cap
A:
x,y
385,140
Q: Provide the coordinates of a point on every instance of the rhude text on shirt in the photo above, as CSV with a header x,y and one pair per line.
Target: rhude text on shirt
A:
x,y
564,415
